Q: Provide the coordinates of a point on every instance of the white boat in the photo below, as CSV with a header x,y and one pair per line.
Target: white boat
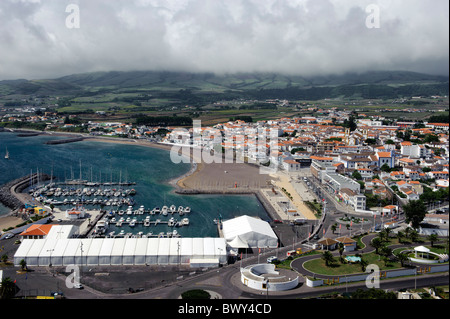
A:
x,y
171,222
121,212
157,210
7,154
173,209
122,233
147,222
164,210
175,233
187,209
180,209
133,223
141,209
185,221
128,220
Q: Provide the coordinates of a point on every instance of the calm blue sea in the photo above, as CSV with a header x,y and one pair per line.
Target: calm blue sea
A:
x,y
150,168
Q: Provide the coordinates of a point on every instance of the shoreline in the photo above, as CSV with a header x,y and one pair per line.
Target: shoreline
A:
x,y
236,178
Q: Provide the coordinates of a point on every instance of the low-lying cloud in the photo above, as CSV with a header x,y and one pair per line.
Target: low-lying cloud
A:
x,y
304,37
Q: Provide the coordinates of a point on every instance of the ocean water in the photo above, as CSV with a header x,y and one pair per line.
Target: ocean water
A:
x,y
150,168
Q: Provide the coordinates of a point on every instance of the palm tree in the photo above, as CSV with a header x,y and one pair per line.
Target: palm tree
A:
x,y
402,257
387,231
7,288
386,251
23,264
400,236
4,258
328,258
341,250
363,264
414,235
377,244
407,231
432,238
333,228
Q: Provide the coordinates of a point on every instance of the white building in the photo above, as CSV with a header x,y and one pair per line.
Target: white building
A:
x,y
249,232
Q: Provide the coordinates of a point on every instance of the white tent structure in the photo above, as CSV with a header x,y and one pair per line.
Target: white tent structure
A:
x,y
22,251
151,257
140,252
82,251
249,232
32,257
196,252
56,258
129,251
69,253
117,251
92,256
104,257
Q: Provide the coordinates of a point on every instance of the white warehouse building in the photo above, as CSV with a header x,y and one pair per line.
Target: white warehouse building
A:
x,y
196,252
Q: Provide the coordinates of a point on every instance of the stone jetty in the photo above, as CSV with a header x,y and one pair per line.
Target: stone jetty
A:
x,y
10,192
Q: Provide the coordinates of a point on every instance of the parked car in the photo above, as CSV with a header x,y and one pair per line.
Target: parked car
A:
x,y
272,259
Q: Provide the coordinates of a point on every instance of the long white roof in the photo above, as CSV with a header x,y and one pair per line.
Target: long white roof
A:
x,y
121,247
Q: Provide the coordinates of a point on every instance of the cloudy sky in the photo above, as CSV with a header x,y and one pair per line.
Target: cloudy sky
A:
x,y
305,37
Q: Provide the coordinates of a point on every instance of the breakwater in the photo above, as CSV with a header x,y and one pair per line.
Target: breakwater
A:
x,y
64,141
10,192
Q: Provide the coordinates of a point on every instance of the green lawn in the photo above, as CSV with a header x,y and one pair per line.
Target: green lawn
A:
x,y
337,269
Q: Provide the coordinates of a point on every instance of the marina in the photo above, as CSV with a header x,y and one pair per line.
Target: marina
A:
x,y
67,194
86,167
116,220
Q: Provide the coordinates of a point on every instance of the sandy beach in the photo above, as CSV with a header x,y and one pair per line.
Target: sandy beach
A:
x,y
217,176
9,221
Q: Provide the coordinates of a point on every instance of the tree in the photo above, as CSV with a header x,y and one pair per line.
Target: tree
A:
x,y
386,251
328,258
23,264
432,238
415,212
402,257
363,264
341,250
356,175
334,227
7,288
385,168
373,293
400,236
414,235
376,243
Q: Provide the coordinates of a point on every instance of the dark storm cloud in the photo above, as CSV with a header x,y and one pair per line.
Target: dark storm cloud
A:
x,y
290,36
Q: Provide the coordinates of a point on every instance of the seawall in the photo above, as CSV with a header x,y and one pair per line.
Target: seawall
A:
x,y
9,192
